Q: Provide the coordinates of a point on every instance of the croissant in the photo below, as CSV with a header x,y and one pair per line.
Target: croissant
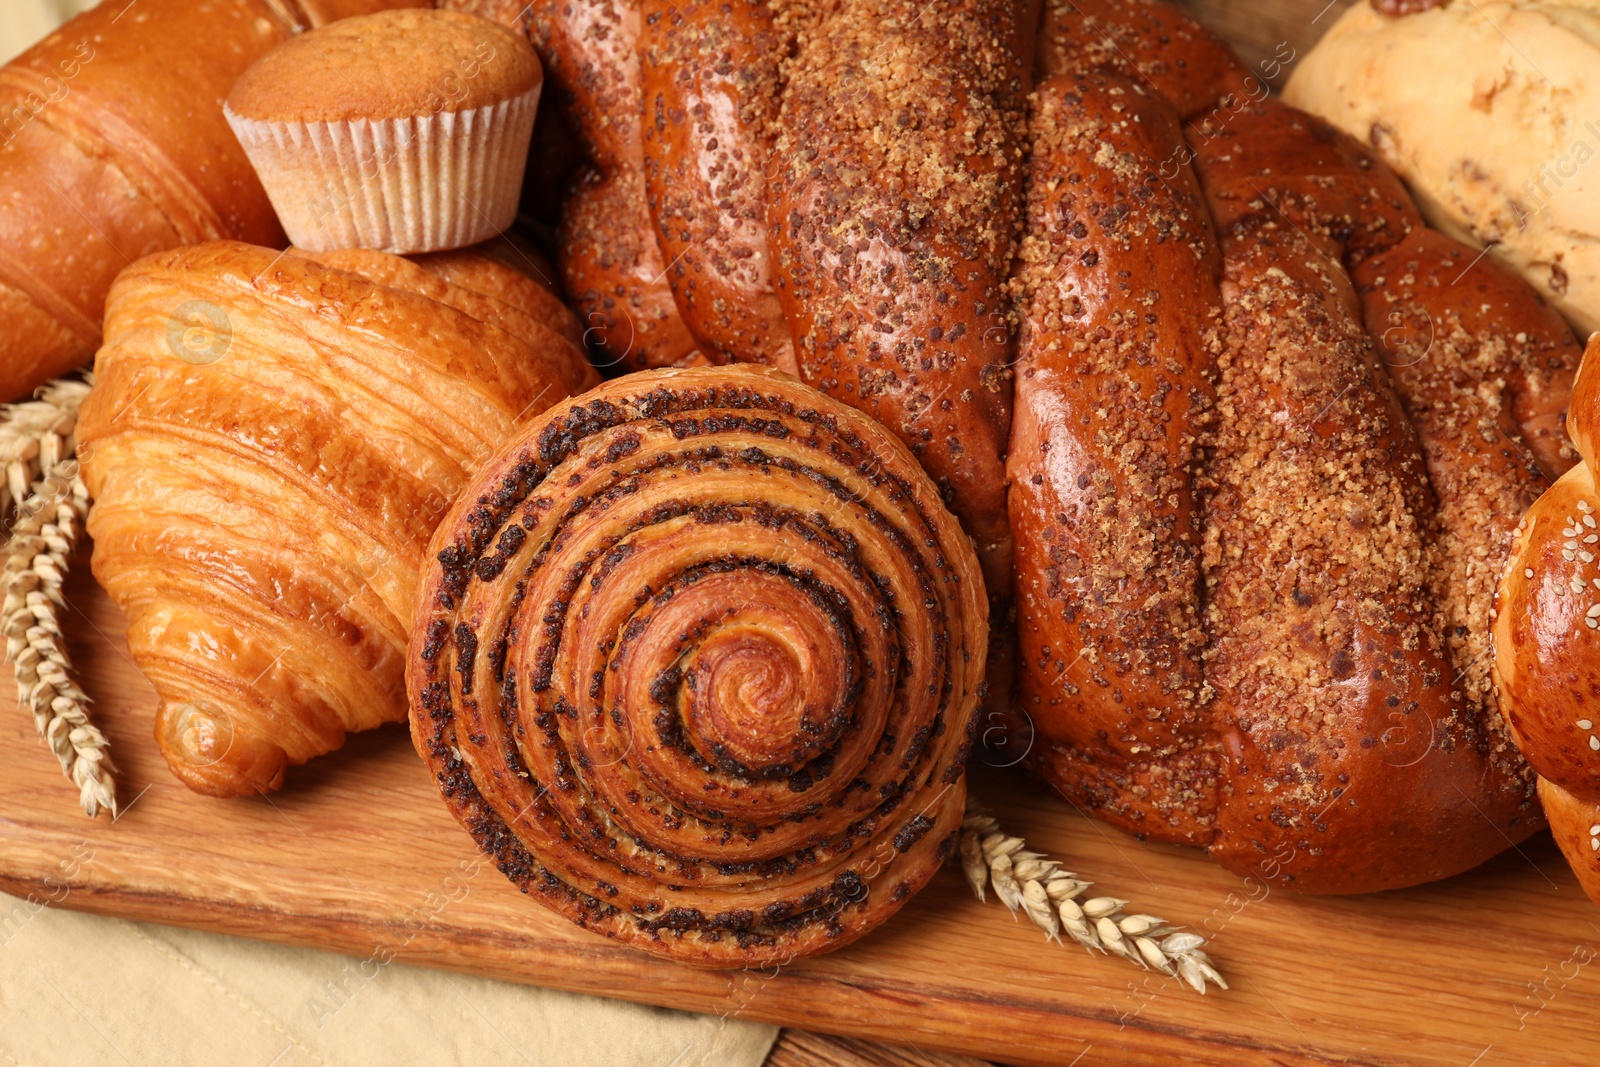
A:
x,y
270,441
113,146
1546,632
695,661
1271,439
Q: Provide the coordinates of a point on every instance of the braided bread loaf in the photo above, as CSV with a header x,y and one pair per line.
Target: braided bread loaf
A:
x,y
695,662
113,146
1271,439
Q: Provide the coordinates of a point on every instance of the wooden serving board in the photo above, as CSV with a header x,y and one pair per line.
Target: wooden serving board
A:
x,y
357,854
1500,966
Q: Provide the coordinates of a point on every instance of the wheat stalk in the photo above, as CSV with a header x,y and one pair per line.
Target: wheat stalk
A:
x,y
37,448
1050,898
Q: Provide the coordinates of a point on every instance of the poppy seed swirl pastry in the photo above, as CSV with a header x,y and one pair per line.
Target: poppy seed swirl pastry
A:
x,y
695,661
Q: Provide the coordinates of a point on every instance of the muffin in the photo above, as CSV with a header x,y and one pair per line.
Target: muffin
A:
x,y
405,131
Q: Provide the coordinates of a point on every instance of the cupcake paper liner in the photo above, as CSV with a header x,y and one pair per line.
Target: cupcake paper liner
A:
x,y
418,184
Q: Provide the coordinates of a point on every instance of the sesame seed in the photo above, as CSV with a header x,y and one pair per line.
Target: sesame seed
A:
x,y
1594,609
1584,506
1594,844
1527,572
1577,585
1568,555
1585,724
1588,520
1595,829
1591,624
1569,544
1594,742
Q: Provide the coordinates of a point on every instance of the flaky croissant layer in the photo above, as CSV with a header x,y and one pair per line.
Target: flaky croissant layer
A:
x,y
695,661
270,443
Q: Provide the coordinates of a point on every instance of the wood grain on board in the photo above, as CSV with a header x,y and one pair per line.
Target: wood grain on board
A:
x,y
797,1048
357,854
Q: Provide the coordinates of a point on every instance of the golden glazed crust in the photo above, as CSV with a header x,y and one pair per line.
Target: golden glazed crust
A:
x,y
710,85
695,661
1114,392
1328,722
270,442
611,266
388,65
1547,641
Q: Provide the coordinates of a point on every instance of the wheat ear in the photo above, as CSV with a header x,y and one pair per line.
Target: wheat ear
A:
x,y
42,484
1050,898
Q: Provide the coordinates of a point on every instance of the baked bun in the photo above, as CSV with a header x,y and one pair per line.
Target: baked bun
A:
x,y
1486,110
695,661
1547,640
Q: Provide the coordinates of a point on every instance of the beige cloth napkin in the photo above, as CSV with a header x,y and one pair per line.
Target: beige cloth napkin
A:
x,y
23,22
78,989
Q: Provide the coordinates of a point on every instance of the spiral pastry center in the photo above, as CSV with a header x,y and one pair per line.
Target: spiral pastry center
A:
x,y
772,686
745,705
